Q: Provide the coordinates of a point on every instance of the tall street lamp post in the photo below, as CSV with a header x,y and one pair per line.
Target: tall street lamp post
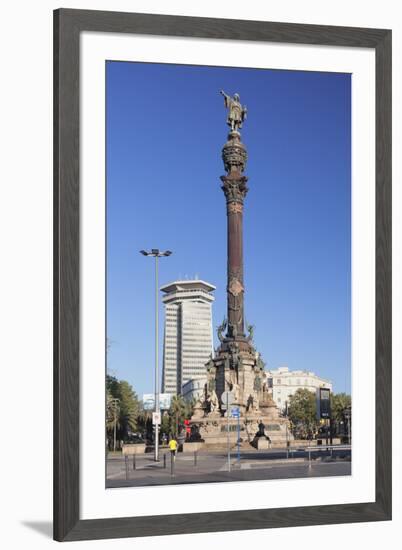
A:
x,y
156,253
115,405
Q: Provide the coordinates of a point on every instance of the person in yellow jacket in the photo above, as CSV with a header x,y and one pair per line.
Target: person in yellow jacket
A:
x,y
173,447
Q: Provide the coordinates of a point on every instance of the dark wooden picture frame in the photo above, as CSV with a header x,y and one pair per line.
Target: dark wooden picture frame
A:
x,y
68,24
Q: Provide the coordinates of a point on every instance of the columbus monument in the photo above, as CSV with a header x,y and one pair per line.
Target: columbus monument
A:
x,y
237,366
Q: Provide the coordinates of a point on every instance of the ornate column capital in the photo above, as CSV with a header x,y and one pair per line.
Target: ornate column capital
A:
x,y
235,188
234,154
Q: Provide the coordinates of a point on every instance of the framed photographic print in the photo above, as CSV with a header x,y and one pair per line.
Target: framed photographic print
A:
x,y
222,204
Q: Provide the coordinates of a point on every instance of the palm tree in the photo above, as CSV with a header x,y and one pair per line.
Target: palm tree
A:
x,y
177,412
112,417
190,407
129,407
145,421
339,403
122,408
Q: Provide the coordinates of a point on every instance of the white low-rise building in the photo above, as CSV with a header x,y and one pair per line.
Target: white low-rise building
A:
x,y
193,389
281,382
284,383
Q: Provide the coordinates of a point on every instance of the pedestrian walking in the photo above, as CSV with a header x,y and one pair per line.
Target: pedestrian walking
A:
x,y
173,447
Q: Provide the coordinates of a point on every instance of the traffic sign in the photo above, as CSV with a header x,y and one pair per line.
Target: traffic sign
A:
x,y
156,418
235,412
227,398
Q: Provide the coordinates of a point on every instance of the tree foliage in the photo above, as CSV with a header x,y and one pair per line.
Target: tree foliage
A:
x,y
339,403
112,411
121,402
177,413
303,410
126,411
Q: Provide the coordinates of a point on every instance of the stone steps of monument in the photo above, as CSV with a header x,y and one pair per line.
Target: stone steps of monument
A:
x,y
244,445
223,446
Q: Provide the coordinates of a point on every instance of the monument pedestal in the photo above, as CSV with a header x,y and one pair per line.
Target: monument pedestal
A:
x,y
241,373
214,431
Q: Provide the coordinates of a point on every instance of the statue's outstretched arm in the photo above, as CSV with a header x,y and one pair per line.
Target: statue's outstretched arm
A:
x,y
225,97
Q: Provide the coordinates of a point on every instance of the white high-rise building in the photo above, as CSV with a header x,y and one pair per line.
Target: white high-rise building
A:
x,y
188,340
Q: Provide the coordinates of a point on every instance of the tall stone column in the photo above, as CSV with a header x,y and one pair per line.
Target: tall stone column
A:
x,y
234,186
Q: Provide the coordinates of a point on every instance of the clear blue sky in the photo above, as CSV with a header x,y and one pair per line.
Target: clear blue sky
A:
x,y
165,131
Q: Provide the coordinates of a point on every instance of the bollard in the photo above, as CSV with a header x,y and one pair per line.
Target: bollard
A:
x,y
172,464
195,458
134,462
126,465
164,461
309,458
287,452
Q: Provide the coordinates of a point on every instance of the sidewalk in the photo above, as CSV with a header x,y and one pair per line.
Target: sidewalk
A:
x,y
214,468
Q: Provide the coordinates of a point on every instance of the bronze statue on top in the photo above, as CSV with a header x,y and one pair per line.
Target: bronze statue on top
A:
x,y
237,113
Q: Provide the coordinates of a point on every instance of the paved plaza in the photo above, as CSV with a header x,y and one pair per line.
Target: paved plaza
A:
x,y
209,467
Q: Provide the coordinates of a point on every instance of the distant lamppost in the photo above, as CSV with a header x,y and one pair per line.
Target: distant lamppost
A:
x,y
348,417
115,404
156,253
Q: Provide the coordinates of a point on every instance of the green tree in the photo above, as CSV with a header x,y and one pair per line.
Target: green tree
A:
x,y
302,411
129,407
112,411
165,426
112,385
177,413
144,421
340,402
121,398
189,407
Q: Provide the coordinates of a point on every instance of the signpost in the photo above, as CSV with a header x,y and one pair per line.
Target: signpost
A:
x,y
227,398
235,413
348,418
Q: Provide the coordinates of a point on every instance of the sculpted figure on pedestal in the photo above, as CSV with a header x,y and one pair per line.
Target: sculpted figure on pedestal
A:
x,y
237,113
221,328
213,401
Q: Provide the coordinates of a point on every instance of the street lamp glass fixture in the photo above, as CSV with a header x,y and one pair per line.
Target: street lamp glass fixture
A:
x,y
156,253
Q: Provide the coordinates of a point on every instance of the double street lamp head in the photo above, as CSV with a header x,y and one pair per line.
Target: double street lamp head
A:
x,y
156,253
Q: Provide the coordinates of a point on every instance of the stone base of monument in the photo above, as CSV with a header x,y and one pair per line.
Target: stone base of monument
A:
x,y
133,449
214,430
261,443
191,447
